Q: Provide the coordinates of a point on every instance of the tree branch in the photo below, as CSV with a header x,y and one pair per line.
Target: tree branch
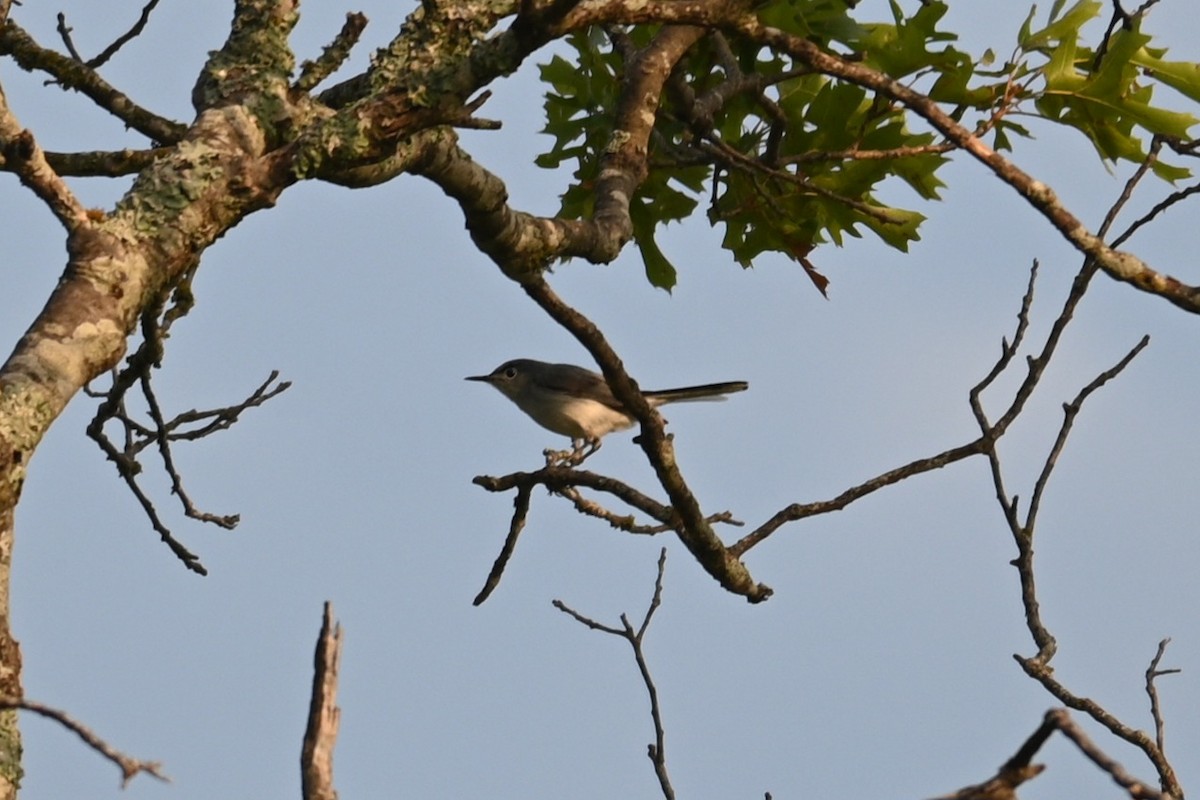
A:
x,y
130,767
324,716
1119,265
564,481
104,55
1018,769
20,153
693,527
70,74
657,750
188,426
333,55
1152,675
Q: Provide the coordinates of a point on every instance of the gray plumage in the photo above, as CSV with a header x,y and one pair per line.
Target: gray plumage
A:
x,y
579,403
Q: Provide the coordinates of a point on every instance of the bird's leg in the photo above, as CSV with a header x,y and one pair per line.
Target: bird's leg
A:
x,y
580,450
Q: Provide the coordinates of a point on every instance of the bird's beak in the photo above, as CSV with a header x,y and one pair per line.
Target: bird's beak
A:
x,y
484,378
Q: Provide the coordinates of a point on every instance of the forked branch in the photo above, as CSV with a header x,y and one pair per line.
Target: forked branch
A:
x,y
162,432
657,750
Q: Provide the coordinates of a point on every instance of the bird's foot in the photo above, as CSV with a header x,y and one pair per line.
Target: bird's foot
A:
x,y
579,452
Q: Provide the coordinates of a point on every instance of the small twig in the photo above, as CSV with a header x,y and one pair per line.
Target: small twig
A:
x,y
556,478
657,750
1127,192
1119,17
520,512
324,716
130,767
110,51
1070,411
333,55
1152,674
228,522
627,522
155,322
64,32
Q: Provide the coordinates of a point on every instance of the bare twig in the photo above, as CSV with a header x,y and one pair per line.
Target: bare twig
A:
x,y
130,767
520,512
104,55
332,55
1152,674
65,33
188,426
566,481
1019,768
1070,411
657,750
324,716
1043,674
628,522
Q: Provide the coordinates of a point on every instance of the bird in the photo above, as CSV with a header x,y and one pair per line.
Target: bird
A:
x,y
578,403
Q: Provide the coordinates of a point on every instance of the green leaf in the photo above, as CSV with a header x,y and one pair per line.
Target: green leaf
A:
x,y
1064,27
819,20
659,270
1026,29
1182,76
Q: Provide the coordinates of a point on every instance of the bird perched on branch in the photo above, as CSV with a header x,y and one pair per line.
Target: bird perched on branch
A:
x,y
578,403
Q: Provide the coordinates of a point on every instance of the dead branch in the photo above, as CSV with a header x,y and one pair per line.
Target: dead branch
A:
x,y
324,716
657,750
130,767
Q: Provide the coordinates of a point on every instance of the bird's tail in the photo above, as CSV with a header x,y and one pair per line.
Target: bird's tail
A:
x,y
709,391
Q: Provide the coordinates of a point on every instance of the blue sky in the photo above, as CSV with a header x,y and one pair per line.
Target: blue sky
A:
x,y
881,667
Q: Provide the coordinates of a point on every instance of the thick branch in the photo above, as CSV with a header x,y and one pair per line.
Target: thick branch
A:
x,y
694,529
520,243
324,716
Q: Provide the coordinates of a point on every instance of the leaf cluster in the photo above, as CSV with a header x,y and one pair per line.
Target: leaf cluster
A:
x,y
789,158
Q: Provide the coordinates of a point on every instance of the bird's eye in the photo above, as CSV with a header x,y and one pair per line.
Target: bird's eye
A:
x,y
510,373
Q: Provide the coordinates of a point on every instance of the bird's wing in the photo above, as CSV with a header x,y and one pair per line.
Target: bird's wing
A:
x,y
579,382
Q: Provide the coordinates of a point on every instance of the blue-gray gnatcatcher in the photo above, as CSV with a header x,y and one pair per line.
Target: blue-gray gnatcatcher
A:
x,y
578,403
